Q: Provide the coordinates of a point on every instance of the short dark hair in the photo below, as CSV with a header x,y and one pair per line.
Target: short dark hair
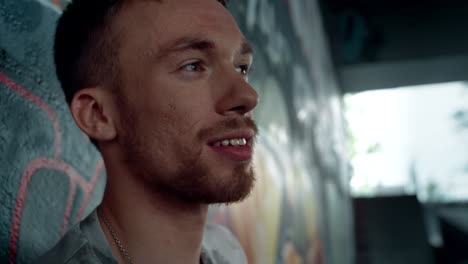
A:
x,y
85,47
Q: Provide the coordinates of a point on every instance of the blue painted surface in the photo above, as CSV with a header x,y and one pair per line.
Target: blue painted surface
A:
x,y
29,96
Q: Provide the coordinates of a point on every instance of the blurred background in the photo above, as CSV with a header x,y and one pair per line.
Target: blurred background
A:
x,y
362,156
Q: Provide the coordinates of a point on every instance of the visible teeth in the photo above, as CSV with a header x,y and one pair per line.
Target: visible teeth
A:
x,y
232,142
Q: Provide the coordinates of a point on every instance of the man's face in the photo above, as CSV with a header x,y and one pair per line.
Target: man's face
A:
x,y
184,95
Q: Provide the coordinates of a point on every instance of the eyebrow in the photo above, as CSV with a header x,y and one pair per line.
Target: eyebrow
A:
x,y
247,48
194,43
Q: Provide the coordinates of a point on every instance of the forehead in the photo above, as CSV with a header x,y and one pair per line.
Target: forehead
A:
x,y
150,24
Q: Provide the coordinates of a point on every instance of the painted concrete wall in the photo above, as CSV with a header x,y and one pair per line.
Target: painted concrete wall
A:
x,y
50,175
300,116
300,211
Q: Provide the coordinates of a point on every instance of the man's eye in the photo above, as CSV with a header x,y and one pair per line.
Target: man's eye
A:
x,y
194,66
243,69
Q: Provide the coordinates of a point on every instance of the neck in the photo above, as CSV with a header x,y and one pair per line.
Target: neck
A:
x,y
153,228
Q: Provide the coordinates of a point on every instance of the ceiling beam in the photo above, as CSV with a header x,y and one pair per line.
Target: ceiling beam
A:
x,y
371,76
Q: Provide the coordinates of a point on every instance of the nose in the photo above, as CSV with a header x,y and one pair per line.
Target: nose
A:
x,y
239,97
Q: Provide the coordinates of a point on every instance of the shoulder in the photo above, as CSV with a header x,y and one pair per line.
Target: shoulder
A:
x,y
221,246
72,248
84,243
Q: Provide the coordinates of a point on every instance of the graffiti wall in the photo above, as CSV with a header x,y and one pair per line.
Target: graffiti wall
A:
x,y
52,176
300,210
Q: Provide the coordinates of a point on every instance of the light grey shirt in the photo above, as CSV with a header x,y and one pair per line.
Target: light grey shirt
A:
x,y
86,243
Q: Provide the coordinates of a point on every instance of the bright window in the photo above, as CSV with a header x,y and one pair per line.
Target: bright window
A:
x,y
410,140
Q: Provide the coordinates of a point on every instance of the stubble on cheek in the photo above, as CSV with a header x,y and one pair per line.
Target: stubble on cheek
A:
x,y
167,155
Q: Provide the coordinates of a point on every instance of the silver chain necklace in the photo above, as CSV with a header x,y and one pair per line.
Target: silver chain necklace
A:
x,y
119,244
116,238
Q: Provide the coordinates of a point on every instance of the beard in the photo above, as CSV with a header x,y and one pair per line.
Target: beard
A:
x,y
190,178
199,185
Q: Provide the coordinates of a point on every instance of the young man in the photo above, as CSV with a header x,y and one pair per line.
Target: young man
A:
x,y
161,89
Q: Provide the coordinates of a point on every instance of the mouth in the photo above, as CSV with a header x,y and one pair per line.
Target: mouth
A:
x,y
237,146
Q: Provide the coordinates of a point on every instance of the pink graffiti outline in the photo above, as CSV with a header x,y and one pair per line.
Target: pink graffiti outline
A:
x,y
45,163
57,3
36,100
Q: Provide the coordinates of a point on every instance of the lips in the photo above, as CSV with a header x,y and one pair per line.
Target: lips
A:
x,y
235,146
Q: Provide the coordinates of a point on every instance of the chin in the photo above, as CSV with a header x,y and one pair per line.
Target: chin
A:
x,y
235,186
200,183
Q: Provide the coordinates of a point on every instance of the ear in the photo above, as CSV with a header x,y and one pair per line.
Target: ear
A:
x,y
92,111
